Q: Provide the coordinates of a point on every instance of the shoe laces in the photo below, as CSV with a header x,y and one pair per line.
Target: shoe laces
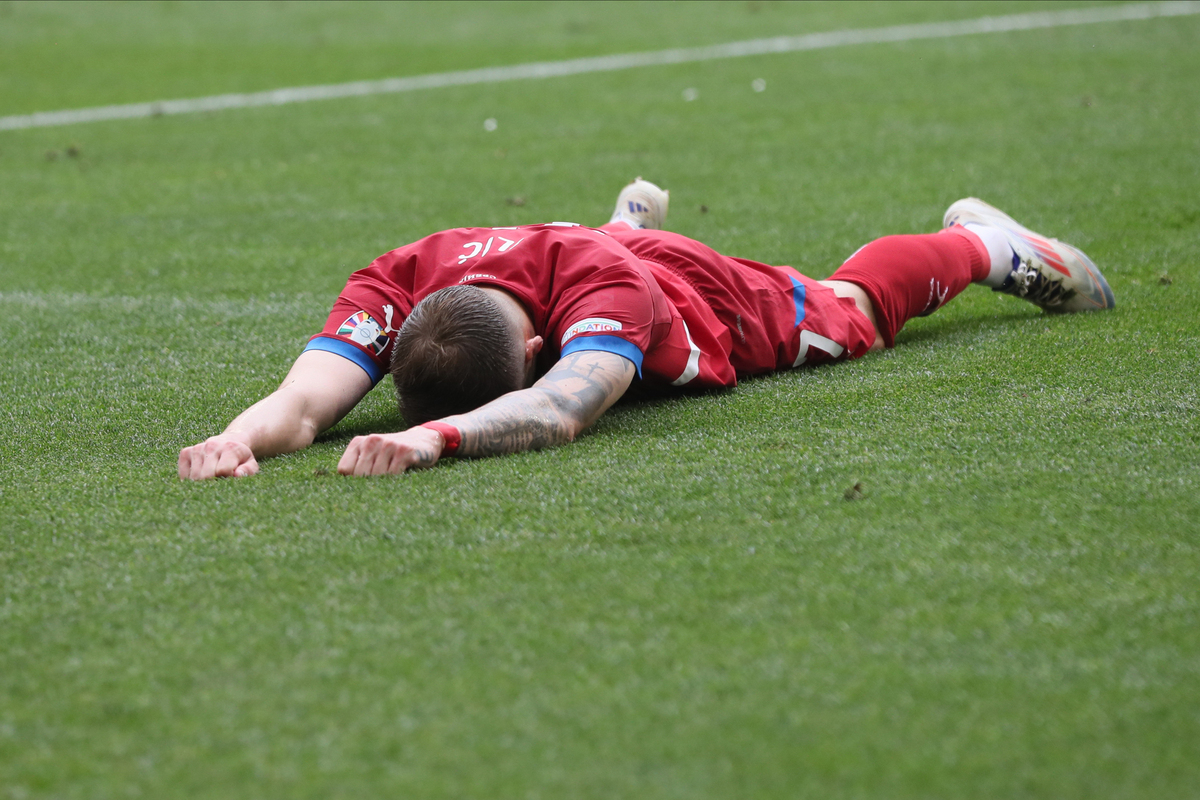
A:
x,y
1031,283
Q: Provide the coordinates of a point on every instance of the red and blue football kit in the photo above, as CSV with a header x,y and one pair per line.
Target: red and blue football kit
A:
x,y
683,314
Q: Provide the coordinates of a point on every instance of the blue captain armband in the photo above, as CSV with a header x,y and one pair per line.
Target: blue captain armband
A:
x,y
348,351
608,344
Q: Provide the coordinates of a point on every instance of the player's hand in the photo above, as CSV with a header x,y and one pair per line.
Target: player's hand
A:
x,y
392,453
217,457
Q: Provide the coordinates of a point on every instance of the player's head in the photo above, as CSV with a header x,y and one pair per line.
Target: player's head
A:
x,y
461,347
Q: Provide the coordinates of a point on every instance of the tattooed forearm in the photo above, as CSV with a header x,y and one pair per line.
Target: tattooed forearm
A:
x,y
567,400
512,425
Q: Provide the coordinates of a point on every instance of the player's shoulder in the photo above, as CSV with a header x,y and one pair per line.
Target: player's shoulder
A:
x,y
565,244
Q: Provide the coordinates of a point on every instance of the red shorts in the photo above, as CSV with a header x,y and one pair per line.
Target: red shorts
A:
x,y
765,318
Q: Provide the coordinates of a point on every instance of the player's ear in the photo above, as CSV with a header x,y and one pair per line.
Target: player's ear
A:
x,y
533,346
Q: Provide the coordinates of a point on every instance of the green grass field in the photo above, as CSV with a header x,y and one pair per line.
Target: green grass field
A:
x,y
682,604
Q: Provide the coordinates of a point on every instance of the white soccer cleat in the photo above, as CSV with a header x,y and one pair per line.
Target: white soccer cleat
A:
x,y
642,205
1046,272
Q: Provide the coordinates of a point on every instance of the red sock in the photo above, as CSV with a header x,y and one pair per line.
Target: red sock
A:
x,y
911,276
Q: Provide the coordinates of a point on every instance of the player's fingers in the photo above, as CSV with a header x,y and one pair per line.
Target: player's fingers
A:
x,y
203,470
246,469
211,452
397,457
195,462
198,459
185,463
376,454
227,460
349,458
374,460
382,450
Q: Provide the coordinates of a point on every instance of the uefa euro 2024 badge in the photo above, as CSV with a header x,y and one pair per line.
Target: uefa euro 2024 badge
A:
x,y
361,328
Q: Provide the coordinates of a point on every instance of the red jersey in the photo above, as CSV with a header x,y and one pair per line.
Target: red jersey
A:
x,y
683,314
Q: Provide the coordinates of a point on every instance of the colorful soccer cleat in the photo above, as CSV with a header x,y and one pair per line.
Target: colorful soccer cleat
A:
x,y
642,204
1046,272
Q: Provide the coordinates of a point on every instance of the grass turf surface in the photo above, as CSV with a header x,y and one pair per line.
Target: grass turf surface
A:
x,y
683,604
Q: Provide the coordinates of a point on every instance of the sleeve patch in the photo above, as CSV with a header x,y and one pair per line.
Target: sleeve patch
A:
x,y
590,325
361,328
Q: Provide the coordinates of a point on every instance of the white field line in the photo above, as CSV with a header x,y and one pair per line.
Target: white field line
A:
x,y
578,66
302,304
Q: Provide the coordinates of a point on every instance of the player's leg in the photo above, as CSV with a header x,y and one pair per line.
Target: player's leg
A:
x,y
640,206
862,301
910,276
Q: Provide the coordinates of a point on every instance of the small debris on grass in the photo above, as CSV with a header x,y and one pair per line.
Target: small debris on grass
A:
x,y
73,151
1086,102
703,209
320,472
516,200
855,492
1164,279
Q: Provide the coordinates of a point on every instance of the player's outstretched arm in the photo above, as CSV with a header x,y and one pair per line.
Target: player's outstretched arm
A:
x,y
556,409
319,390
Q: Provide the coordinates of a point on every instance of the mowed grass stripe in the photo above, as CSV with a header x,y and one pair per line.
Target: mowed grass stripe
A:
x,y
579,66
298,304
